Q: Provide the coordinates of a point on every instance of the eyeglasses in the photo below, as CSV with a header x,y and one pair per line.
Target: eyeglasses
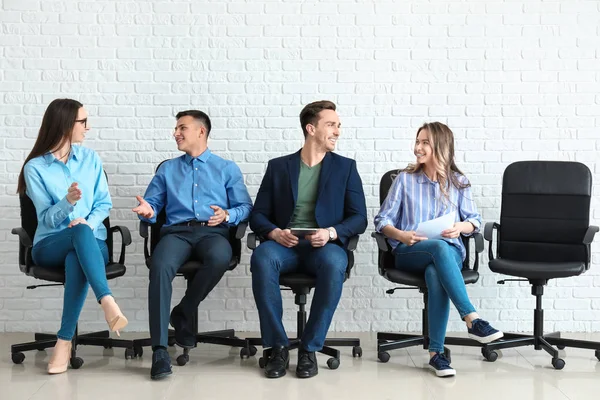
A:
x,y
83,121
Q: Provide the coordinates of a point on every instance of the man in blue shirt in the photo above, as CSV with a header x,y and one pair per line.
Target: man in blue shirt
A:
x,y
202,195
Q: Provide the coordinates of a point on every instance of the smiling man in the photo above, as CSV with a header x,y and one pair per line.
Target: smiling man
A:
x,y
312,188
202,194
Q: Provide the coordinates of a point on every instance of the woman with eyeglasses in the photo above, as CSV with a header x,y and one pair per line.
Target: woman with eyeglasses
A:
x,y
430,188
68,188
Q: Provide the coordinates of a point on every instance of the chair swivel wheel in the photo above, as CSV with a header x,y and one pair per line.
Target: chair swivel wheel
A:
x,y
489,355
108,346
333,363
129,354
76,362
560,346
598,354
558,363
183,359
247,352
383,356
41,349
262,362
18,358
356,351
138,351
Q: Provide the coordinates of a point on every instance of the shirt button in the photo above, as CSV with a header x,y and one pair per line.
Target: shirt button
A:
x,y
196,169
197,215
196,201
195,184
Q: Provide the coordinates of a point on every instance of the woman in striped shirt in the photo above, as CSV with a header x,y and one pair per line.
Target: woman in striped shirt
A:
x,y
428,189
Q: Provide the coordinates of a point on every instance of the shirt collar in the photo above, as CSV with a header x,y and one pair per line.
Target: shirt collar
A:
x,y
75,152
423,178
202,157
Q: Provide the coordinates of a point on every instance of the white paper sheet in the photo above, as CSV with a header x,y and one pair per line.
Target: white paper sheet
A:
x,y
433,228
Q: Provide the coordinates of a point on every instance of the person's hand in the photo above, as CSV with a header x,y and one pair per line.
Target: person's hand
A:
x,y
219,216
453,232
73,193
319,238
77,221
410,237
144,209
284,237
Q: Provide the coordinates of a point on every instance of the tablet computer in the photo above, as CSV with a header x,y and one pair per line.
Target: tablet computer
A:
x,y
301,232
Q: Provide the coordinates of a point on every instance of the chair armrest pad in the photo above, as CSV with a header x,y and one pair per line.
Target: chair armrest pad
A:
x,y
589,234
353,243
124,231
252,241
488,230
144,229
24,238
382,243
478,242
241,230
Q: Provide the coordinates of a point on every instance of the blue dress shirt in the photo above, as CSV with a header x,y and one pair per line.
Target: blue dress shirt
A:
x,y
47,181
414,198
188,186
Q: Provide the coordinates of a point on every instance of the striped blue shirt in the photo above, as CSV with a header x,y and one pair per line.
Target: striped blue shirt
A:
x,y
414,198
47,181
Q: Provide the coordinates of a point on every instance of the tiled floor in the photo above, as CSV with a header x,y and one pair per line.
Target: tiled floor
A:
x,y
218,373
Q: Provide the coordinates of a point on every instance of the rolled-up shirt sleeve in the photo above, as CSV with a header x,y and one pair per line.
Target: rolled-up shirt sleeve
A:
x,y
390,209
467,208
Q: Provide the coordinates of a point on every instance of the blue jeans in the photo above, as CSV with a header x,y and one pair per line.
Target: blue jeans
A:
x,y
442,264
178,244
84,260
328,264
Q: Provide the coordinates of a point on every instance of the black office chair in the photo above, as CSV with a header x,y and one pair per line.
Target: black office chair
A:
x,y
543,234
114,269
386,263
301,284
224,337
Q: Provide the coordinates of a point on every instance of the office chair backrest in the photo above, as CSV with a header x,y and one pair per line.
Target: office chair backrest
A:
x,y
161,219
545,211
384,187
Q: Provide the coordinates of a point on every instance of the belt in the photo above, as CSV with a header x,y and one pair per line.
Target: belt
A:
x,y
192,223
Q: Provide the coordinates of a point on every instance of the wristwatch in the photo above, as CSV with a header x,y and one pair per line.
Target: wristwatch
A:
x,y
226,216
331,233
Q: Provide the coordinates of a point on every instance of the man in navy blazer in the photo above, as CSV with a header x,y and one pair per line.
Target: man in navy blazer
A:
x,y
312,188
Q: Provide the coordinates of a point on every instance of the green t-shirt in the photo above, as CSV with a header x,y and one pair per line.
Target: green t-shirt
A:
x,y
308,186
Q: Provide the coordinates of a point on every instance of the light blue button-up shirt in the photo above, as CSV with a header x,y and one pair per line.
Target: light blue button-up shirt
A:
x,y
414,198
188,186
47,181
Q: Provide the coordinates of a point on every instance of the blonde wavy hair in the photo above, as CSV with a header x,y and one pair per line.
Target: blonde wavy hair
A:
x,y
441,140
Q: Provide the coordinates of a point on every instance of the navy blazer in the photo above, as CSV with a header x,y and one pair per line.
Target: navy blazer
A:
x,y
340,197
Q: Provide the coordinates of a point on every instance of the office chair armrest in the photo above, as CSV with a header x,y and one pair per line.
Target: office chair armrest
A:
x,y
587,239
478,237
353,243
252,241
488,234
382,242
125,240
241,230
24,238
144,229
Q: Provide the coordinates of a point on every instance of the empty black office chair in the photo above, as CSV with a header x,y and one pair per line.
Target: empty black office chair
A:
x,y
114,269
224,337
543,234
301,284
392,341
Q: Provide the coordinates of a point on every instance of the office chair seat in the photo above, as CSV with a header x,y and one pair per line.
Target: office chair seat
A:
x,y
192,265
537,270
113,270
418,280
298,280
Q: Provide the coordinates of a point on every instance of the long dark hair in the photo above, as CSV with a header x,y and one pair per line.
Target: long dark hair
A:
x,y
57,127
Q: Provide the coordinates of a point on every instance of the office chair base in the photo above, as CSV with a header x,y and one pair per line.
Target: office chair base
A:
x,y
42,341
391,341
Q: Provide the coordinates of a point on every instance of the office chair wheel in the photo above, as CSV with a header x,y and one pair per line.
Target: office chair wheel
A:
x,y
41,349
247,353
183,359
262,362
558,363
489,355
383,356
598,354
107,346
18,358
560,346
76,362
129,354
356,351
333,363
138,351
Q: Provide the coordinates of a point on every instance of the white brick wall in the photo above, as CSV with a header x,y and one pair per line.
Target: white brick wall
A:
x,y
515,80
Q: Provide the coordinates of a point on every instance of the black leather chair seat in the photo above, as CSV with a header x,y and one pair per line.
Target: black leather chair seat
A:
x,y
418,280
191,266
113,270
299,279
535,270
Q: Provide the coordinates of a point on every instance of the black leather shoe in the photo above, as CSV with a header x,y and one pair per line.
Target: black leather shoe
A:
x,y
184,335
161,364
278,362
307,364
